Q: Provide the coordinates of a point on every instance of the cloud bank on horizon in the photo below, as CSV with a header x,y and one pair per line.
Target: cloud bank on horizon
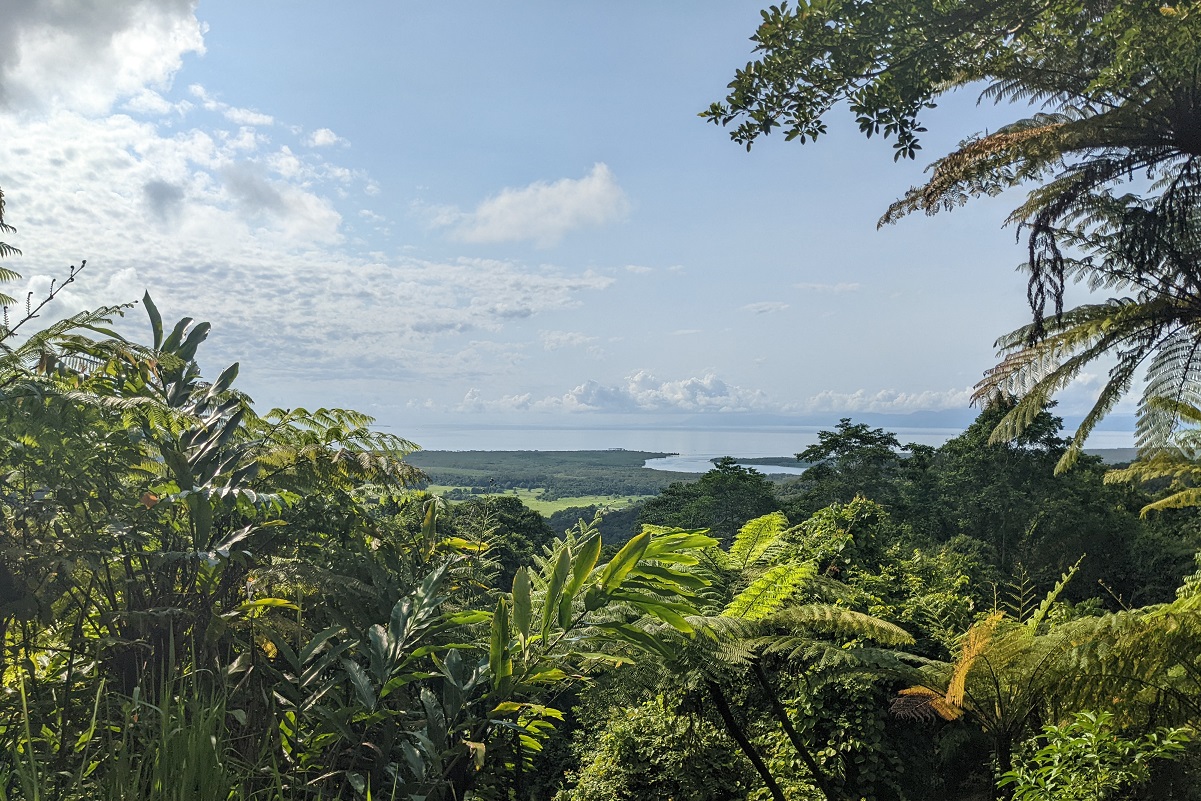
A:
x,y
324,277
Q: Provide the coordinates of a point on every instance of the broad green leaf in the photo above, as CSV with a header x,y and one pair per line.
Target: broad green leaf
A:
x,y
362,684
621,564
581,569
582,565
462,545
522,605
675,579
669,612
546,675
554,589
636,637
469,617
156,320
263,603
429,522
505,707
500,661
225,380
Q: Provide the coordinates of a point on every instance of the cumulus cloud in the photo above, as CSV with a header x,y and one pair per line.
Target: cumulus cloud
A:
x,y
85,55
150,102
841,287
766,307
246,116
323,137
222,229
541,213
642,391
889,400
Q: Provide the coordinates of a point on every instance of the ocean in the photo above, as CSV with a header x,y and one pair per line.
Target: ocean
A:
x,y
697,445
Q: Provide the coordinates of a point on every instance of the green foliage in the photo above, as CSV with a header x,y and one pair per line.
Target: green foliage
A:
x,y
515,533
1087,760
201,601
646,752
721,501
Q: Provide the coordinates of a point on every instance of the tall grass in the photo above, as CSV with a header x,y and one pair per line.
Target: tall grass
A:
x,y
176,748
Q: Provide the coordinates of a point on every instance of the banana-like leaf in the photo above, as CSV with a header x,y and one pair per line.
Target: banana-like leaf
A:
x,y
582,564
638,638
523,611
554,589
156,320
625,560
500,660
361,683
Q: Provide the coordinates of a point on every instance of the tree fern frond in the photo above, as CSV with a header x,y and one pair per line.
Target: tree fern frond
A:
x,y
754,538
975,643
769,592
922,703
843,622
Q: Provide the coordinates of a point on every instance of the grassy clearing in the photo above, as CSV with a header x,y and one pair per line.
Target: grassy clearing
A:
x,y
533,499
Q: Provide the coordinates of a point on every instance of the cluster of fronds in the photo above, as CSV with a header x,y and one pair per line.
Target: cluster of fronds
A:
x,y
6,250
1004,674
335,444
759,603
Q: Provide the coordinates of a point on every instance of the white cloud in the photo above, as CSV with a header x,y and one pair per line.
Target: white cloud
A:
x,y
889,400
554,340
765,307
236,115
83,55
638,269
219,229
838,288
245,116
542,213
151,103
324,137
643,392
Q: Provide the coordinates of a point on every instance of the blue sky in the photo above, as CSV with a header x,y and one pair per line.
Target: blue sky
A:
x,y
483,213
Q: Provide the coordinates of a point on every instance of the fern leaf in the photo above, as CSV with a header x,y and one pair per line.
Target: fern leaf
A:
x,y
769,592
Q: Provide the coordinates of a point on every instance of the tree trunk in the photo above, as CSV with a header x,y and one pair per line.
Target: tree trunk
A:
x,y
748,748
1003,750
781,714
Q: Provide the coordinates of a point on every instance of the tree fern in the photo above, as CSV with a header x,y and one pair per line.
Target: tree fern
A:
x,y
768,593
755,538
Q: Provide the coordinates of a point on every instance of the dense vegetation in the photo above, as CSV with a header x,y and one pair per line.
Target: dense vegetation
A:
x,y
203,601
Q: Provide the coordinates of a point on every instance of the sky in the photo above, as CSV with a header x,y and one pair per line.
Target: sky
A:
x,y
472,215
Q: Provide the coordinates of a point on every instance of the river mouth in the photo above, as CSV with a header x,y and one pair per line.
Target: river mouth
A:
x,y
703,463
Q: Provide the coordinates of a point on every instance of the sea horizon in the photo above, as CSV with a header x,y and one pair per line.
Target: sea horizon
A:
x,y
690,441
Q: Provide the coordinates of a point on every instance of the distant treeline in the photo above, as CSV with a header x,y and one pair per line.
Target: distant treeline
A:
x,y
561,474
